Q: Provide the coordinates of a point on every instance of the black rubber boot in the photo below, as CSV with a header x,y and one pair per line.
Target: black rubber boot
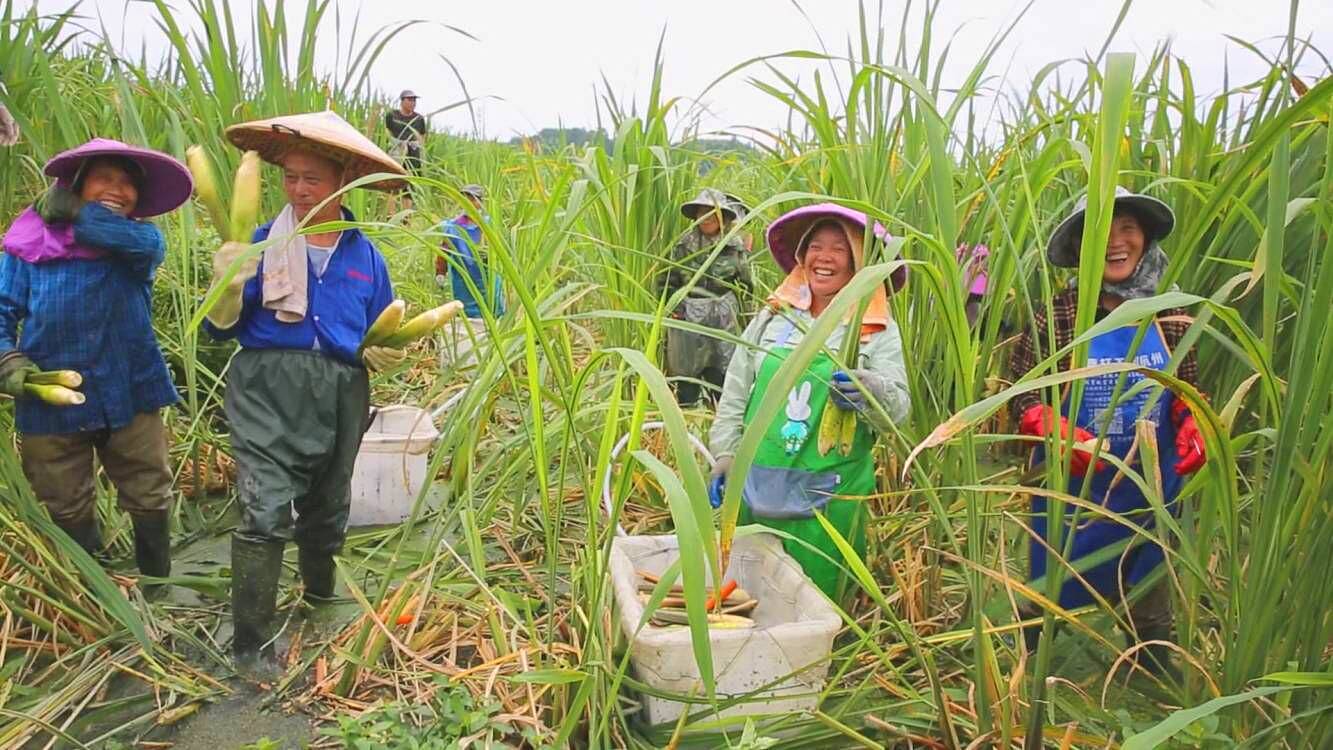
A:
x,y
1031,633
319,576
88,536
1155,657
687,394
1032,637
255,569
152,550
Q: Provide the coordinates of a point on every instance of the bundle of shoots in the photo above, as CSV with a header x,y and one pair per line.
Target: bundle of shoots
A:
x,y
387,332
55,387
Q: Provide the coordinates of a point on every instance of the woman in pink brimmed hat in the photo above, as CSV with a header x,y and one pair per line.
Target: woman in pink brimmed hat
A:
x,y
77,274
821,247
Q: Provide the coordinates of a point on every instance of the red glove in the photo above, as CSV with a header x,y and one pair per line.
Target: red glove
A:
x,y
1040,420
1189,441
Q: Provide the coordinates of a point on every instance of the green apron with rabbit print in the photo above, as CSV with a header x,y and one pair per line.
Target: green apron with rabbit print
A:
x,y
791,478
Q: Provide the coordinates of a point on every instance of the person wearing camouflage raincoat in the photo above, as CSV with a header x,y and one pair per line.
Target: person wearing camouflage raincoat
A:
x,y
712,301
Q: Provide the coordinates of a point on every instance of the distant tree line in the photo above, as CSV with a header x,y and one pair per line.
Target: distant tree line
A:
x,y
554,138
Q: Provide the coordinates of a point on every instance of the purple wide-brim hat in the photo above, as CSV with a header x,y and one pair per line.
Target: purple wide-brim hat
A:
x,y
167,183
785,234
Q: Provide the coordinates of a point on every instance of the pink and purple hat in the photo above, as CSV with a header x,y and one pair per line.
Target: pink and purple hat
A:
x,y
785,234
974,259
167,183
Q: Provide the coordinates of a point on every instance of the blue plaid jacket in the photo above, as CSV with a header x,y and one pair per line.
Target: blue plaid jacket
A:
x,y
93,316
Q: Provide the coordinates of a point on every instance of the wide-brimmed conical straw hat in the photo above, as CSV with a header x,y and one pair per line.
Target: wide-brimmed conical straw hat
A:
x,y
324,133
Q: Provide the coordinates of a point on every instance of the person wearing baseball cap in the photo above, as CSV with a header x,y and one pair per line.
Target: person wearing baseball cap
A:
x,y
407,131
462,259
407,134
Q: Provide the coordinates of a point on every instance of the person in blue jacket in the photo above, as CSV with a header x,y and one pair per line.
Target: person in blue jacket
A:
x,y
298,394
76,293
464,259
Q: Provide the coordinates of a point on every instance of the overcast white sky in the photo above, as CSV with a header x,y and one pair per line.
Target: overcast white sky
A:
x,y
543,59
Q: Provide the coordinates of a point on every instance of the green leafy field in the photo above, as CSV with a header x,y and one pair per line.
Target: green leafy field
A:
x,y
488,615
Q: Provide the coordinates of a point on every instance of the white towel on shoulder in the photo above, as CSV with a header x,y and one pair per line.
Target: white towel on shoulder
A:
x,y
285,264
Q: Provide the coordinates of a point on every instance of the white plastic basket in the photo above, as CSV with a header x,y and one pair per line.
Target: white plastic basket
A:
x,y
391,465
789,645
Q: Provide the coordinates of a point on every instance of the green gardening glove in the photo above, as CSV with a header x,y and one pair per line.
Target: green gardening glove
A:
x,y
14,371
58,205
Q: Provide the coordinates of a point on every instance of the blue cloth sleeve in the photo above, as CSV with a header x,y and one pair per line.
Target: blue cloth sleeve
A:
x,y
453,238
137,244
13,299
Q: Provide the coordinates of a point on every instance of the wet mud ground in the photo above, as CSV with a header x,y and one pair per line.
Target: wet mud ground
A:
x,y
248,716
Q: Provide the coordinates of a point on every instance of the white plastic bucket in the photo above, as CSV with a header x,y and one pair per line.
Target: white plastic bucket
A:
x,y
791,640
391,465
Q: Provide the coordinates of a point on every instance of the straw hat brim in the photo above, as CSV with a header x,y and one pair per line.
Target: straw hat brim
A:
x,y
1157,218
691,210
322,133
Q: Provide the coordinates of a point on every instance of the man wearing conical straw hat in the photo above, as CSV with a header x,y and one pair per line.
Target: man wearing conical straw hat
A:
x,y
298,394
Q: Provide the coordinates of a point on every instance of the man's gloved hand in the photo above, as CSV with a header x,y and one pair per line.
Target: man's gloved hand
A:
x,y
1189,441
9,129
58,205
717,482
381,358
228,308
15,368
1041,420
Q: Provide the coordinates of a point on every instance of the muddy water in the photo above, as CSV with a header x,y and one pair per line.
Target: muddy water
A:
x,y
237,721
247,716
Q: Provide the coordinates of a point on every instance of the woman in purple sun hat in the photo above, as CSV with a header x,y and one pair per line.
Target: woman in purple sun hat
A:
x,y
798,469
77,275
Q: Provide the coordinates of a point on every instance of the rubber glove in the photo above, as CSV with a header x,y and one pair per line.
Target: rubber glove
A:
x,y
15,368
228,308
9,129
58,205
846,395
717,484
381,358
1189,441
1040,420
